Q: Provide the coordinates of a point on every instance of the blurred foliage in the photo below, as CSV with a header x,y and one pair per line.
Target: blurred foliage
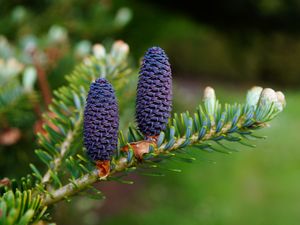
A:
x,y
249,41
244,53
246,15
16,88
35,53
91,20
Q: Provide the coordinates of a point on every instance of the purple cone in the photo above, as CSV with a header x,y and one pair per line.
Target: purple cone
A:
x,y
154,92
101,121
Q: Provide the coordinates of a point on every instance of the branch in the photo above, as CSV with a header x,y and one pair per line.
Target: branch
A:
x,y
263,111
71,171
64,147
64,125
71,188
43,83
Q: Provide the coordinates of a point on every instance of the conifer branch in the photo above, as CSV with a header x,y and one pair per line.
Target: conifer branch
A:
x,y
70,171
71,188
64,147
249,118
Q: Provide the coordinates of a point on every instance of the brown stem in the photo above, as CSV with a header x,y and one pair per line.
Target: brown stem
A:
x,y
43,84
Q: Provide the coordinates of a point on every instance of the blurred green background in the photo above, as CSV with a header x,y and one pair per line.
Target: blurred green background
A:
x,y
230,45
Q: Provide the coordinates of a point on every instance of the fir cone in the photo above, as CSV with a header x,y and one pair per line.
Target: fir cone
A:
x,y
154,93
101,121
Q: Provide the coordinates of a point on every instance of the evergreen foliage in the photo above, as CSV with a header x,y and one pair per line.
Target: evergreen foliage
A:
x,y
69,171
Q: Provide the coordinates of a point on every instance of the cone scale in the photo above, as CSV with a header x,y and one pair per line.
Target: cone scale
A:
x,y
154,93
101,121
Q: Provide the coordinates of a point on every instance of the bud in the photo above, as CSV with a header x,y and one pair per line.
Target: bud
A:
x,y
58,34
123,16
154,92
87,61
268,96
29,78
281,103
101,121
119,51
209,99
253,96
99,51
10,68
83,48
